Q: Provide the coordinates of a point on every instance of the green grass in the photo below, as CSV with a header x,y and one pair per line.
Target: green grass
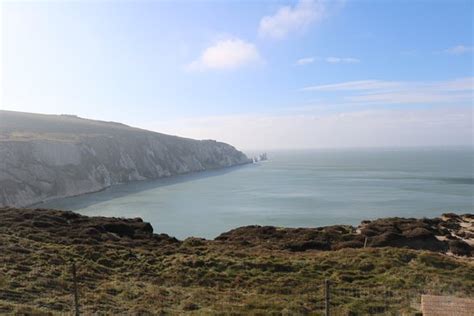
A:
x,y
214,277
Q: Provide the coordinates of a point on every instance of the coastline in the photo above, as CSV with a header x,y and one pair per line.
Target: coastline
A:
x,y
175,176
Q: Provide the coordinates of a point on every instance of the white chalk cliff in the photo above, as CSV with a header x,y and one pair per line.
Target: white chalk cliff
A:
x,y
52,156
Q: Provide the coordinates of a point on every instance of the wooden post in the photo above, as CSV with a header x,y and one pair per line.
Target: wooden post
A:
x,y
365,242
76,294
327,297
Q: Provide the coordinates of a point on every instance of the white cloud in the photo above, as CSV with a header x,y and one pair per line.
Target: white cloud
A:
x,y
344,60
305,61
291,19
331,60
226,55
368,128
399,92
459,50
411,97
353,85
462,84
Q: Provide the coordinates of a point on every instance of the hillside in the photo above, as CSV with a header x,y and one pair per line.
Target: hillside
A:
x,y
124,268
51,156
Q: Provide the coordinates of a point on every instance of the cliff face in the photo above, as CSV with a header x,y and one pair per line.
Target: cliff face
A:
x,y
50,156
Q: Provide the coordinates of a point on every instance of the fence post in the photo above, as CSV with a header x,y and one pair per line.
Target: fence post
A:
x,y
327,297
76,294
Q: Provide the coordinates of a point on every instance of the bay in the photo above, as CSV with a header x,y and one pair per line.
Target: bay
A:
x,y
305,188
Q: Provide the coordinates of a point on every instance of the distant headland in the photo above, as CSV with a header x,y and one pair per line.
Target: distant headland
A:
x,y
52,156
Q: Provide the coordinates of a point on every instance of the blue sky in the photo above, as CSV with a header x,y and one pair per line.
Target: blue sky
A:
x,y
279,74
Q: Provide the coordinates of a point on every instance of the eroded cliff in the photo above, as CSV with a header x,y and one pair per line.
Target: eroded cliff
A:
x,y
51,156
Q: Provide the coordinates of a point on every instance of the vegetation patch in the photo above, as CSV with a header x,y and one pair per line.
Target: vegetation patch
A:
x,y
138,272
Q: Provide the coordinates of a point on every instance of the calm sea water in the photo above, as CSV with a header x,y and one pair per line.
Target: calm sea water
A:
x,y
295,189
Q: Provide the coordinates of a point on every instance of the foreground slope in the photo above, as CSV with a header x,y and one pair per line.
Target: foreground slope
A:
x,y
123,268
52,156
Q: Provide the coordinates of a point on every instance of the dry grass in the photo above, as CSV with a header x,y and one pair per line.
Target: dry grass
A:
x,y
214,277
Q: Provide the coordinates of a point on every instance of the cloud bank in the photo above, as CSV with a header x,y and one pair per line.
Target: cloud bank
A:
x,y
372,128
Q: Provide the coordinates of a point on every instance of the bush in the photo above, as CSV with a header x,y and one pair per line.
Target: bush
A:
x,y
460,248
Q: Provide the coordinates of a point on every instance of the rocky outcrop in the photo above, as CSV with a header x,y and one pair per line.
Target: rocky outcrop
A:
x,y
450,233
50,156
65,227
68,228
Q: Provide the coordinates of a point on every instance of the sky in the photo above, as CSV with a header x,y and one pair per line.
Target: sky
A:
x,y
256,74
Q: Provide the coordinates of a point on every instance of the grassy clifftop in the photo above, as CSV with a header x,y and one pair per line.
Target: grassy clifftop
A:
x,y
27,126
122,267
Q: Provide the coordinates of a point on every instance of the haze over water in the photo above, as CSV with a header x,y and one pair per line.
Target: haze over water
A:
x,y
295,189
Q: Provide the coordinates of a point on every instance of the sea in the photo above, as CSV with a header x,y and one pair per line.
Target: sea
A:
x,y
297,188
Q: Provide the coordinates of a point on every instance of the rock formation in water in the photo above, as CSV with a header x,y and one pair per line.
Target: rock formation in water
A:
x,y
52,156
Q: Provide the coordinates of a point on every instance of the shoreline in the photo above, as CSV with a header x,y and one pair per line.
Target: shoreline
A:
x,y
176,176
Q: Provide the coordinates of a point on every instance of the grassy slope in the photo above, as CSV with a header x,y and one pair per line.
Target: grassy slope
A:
x,y
198,276
29,126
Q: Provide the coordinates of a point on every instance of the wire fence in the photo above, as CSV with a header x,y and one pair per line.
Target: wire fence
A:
x,y
75,294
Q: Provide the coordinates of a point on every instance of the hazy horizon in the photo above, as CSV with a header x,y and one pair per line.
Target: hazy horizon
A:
x,y
258,150
273,75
